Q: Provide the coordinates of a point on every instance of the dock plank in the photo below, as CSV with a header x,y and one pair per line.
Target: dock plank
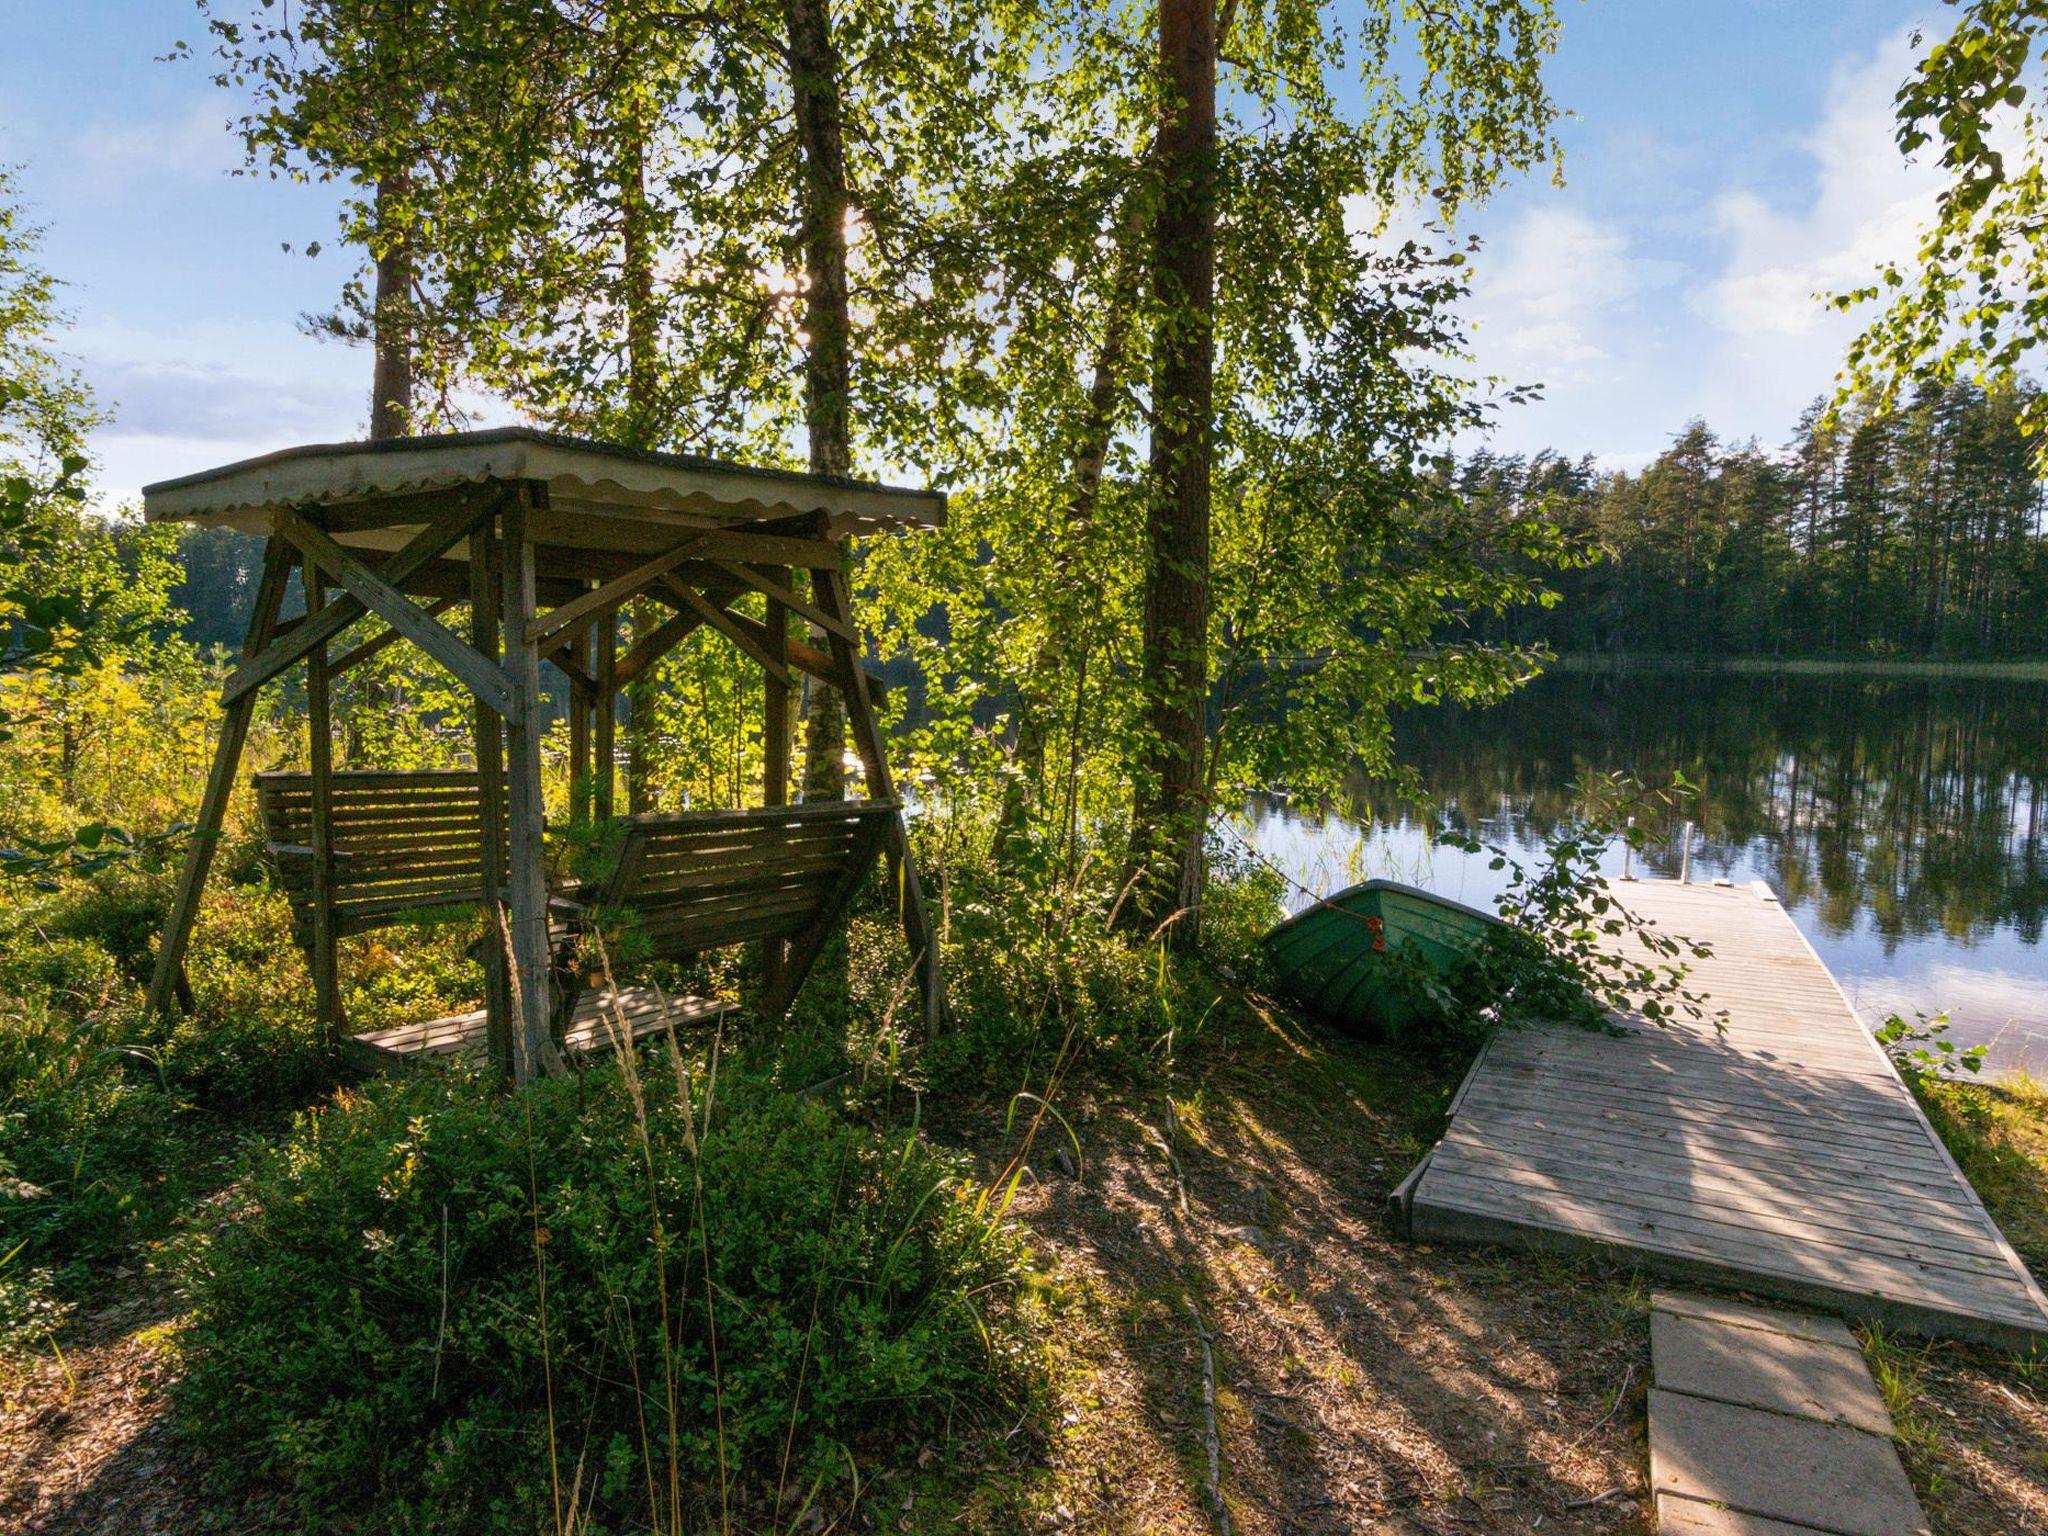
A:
x,y
1781,1153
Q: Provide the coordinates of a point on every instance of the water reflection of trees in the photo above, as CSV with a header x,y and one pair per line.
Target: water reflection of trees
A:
x,y
1918,803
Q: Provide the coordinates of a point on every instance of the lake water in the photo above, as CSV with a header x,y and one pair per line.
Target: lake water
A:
x,y
1900,821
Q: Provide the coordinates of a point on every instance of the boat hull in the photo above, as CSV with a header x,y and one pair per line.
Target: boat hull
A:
x,y
1351,958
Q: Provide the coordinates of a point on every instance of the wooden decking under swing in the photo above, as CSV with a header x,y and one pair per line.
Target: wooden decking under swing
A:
x,y
1784,1157
602,1020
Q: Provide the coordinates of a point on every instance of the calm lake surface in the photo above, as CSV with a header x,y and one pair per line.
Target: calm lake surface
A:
x,y
1899,820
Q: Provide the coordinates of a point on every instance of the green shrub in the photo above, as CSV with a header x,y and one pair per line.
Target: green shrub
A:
x,y
1039,976
370,1328
119,910
88,1135
101,1109
61,970
251,1041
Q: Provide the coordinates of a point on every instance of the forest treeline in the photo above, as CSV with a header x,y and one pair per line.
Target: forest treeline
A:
x,y
1917,531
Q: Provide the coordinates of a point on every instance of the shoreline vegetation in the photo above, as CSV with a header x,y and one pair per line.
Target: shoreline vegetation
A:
x,y
2030,669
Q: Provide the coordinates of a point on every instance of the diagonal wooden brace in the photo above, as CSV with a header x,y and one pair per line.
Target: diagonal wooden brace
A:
x,y
486,679
805,658
376,643
421,550
866,733
652,646
564,623
664,638
779,592
220,782
747,637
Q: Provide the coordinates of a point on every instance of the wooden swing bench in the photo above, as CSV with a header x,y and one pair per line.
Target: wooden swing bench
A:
x,y
408,848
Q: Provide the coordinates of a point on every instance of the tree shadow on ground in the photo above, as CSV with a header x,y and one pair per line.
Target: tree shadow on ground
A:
x,y
86,1445
1361,1383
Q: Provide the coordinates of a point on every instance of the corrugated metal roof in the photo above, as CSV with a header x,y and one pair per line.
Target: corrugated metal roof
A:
x,y
578,473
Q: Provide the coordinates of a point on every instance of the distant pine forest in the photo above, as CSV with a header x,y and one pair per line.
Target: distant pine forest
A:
x,y
1913,533
1917,533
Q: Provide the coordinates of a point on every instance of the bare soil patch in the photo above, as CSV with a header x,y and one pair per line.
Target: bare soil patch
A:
x,y
86,1446
1361,1383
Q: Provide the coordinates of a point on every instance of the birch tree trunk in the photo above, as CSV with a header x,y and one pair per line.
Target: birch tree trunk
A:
x,y
391,372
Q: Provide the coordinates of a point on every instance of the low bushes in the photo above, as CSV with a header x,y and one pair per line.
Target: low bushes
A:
x,y
656,1302
1040,969
106,1117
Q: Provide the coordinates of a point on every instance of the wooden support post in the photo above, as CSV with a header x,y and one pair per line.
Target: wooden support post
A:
x,y
604,733
866,732
320,755
220,782
484,626
534,1049
581,705
775,751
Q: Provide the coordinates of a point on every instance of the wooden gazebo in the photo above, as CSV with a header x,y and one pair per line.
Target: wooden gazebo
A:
x,y
545,538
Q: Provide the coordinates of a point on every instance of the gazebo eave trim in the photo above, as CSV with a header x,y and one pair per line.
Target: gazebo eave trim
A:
x,y
624,480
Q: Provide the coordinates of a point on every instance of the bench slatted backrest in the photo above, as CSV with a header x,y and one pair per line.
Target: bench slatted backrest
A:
x,y
405,843
698,880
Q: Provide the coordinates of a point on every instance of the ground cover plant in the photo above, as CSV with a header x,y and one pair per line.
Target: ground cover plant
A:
x,y
667,1295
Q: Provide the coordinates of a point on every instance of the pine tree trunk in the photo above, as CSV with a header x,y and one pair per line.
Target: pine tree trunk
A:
x,y
1168,813
828,359
391,314
641,431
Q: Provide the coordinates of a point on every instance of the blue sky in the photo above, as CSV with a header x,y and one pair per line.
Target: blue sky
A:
x,y
1726,158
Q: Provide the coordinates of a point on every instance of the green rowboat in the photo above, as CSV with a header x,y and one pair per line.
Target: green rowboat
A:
x,y
1333,957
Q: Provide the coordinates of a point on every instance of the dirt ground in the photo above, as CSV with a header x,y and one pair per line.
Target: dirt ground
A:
x,y
1974,1432
1359,1383
85,1440
1352,1382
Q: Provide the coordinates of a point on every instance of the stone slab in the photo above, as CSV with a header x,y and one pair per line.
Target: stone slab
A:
x,y
1759,1369
1713,1309
1826,1476
1691,1517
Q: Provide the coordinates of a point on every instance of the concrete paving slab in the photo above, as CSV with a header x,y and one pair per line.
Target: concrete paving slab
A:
x,y
1759,1369
1798,1325
1826,1476
1691,1517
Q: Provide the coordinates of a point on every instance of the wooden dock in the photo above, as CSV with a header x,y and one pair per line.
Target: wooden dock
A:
x,y
1784,1157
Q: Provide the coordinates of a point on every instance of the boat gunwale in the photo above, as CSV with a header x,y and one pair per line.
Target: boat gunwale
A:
x,y
1320,903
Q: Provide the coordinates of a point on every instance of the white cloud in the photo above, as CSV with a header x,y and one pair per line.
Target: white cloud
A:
x,y
186,397
1669,287
1554,298
1776,344
195,142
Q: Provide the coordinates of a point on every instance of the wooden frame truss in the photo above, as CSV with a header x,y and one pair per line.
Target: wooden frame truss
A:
x,y
486,546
